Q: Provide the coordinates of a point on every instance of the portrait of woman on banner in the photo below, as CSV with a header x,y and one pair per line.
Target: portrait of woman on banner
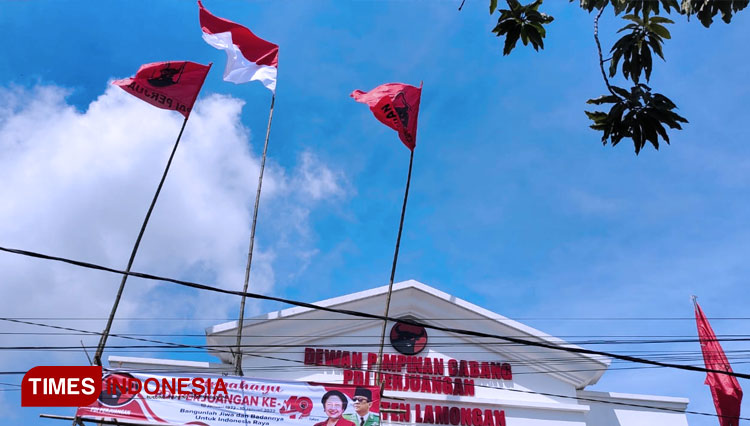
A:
x,y
334,405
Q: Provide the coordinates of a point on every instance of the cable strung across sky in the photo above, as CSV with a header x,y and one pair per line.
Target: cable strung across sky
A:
x,y
203,347
370,316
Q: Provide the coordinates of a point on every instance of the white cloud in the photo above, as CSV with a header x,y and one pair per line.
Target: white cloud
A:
x,y
78,184
316,180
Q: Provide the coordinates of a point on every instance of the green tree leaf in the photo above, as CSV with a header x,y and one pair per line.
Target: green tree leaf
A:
x,y
521,21
511,39
635,48
636,115
604,99
661,20
660,30
706,10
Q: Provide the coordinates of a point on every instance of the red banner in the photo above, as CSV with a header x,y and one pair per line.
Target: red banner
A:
x,y
212,400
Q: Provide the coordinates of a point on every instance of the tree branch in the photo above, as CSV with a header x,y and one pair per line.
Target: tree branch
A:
x,y
599,48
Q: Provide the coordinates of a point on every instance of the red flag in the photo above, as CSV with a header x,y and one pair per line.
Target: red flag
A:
x,y
725,389
396,105
249,57
167,85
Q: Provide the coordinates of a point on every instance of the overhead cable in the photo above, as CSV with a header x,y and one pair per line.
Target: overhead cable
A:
x,y
527,342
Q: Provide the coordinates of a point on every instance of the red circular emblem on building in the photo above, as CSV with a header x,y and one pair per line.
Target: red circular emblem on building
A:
x,y
408,339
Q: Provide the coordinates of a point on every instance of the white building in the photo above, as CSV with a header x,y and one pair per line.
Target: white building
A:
x,y
455,379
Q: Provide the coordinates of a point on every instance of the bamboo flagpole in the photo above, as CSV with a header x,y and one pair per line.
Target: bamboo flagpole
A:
x,y
249,58
397,106
133,252
393,267
176,86
240,321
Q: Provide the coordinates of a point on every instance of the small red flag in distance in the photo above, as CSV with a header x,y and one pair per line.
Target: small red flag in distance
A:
x,y
167,85
397,106
725,389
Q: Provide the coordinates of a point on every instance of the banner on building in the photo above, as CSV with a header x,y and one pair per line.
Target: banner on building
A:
x,y
212,400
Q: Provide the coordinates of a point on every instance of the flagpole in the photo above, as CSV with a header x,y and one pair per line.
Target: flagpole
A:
x,y
393,271
105,333
238,353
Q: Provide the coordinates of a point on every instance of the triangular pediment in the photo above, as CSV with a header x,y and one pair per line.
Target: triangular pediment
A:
x,y
280,338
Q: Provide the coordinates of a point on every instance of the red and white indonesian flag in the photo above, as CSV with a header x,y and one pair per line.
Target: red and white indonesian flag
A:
x,y
397,106
248,56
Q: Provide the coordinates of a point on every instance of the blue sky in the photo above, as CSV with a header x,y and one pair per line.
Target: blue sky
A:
x,y
515,204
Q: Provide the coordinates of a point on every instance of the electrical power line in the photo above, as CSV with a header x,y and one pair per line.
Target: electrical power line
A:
x,y
182,348
592,339
145,318
685,355
348,312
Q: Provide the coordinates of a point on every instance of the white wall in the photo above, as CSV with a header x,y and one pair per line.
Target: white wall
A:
x,y
614,411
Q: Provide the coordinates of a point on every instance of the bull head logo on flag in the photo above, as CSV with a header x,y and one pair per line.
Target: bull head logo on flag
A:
x,y
166,76
396,105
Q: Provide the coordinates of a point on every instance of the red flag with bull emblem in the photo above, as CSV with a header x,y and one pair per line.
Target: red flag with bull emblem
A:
x,y
167,85
397,106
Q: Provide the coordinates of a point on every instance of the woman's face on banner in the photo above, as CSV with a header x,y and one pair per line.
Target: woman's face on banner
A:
x,y
334,407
